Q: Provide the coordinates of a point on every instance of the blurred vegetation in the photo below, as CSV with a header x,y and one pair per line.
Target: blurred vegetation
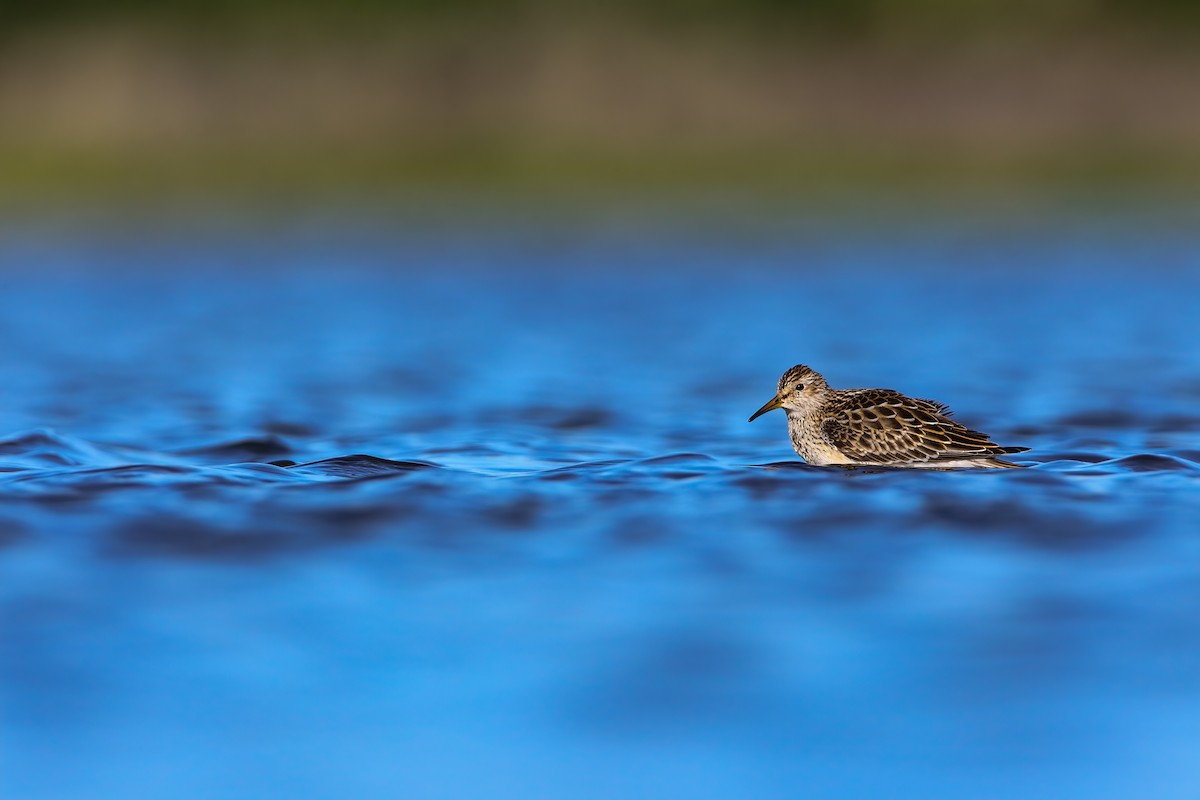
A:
x,y
845,18
133,97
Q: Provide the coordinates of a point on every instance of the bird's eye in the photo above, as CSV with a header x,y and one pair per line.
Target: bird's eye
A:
x,y
799,387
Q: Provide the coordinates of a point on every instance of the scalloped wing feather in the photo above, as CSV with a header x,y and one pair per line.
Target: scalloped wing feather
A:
x,y
881,426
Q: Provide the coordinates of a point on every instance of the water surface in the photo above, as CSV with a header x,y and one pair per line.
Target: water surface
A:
x,y
475,512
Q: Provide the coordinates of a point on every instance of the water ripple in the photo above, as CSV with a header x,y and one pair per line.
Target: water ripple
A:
x,y
442,500
1038,505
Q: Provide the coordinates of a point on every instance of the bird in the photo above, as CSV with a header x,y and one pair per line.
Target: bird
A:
x,y
877,428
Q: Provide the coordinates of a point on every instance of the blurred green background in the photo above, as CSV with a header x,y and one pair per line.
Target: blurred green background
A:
x,y
131,99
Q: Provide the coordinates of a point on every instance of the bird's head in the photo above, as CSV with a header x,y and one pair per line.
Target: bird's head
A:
x,y
799,388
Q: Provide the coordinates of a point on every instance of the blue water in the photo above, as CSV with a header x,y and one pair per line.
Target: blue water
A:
x,y
519,541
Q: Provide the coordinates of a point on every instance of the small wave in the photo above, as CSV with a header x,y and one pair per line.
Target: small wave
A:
x,y
677,459
1153,462
671,467
580,470
1091,464
359,466
41,449
95,480
48,461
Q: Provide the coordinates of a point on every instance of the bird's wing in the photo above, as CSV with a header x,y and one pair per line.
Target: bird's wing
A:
x,y
885,427
933,405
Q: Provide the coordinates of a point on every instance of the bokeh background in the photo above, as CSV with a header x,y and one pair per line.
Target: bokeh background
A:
x,y
135,100
375,379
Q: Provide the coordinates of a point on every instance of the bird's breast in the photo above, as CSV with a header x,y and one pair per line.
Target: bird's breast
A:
x,y
809,442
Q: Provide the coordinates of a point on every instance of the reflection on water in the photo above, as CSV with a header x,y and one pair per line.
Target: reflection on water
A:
x,y
432,515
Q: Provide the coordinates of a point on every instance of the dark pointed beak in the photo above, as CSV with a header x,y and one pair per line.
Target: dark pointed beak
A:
x,y
771,405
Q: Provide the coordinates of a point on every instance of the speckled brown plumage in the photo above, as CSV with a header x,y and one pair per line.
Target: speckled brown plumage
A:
x,y
877,427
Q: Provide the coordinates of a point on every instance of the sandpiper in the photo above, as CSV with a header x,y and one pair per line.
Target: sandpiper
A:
x,y
876,427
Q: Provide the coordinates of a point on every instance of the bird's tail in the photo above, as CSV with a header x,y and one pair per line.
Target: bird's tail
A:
x,y
999,464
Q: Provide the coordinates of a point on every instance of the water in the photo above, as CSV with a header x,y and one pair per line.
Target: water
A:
x,y
519,541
